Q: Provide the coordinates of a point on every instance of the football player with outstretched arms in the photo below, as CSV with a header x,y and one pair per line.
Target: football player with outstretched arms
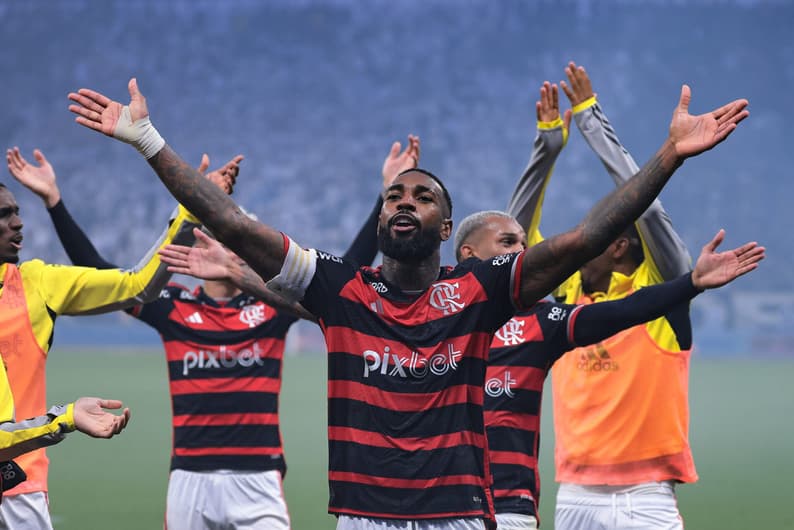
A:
x,y
32,295
408,342
620,406
224,347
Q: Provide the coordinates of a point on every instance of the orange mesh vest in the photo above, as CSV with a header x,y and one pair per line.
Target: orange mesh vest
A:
x,y
25,364
621,413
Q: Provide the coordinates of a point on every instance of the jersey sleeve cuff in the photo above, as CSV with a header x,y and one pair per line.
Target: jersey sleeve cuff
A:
x,y
584,105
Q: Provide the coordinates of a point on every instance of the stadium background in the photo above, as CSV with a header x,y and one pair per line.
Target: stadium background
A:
x,y
313,93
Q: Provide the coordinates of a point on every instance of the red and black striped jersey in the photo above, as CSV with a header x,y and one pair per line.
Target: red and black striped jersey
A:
x,y
224,370
522,353
406,375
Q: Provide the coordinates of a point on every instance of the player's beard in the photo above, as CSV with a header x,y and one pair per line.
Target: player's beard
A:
x,y
409,249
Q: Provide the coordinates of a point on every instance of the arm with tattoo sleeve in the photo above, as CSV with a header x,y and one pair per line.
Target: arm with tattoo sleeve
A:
x,y
547,264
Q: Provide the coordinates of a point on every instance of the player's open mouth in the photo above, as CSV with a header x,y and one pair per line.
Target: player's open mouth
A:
x,y
16,242
403,223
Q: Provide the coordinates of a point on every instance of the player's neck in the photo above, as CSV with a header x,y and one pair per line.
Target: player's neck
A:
x,y
220,290
411,276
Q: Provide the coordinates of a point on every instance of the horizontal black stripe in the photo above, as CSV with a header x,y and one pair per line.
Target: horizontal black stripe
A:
x,y
514,505
227,436
397,424
524,402
351,367
238,463
218,367
398,503
508,439
393,463
531,354
226,403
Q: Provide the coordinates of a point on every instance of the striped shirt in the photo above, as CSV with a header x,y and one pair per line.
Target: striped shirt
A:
x,y
522,353
224,372
406,377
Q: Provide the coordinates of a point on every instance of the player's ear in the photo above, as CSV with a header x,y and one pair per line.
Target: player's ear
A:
x,y
619,248
446,229
466,252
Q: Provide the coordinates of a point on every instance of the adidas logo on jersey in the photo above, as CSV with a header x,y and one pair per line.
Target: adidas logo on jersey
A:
x,y
596,359
195,318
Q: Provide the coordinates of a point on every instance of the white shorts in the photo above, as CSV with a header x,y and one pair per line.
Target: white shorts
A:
x,y
225,500
516,521
347,522
26,511
651,506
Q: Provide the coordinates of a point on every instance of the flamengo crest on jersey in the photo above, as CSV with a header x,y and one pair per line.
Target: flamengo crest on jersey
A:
x,y
224,368
406,377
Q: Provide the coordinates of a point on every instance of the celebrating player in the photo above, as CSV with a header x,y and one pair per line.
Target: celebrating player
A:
x,y
525,348
31,297
621,412
225,350
408,342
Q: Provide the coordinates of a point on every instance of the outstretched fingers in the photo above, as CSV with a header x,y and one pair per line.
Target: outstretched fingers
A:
x,y
716,241
686,97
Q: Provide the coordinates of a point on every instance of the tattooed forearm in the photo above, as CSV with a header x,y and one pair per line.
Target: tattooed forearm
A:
x,y
250,282
548,264
200,196
615,212
261,246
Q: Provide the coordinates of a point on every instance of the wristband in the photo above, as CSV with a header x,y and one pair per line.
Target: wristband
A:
x,y
584,105
140,133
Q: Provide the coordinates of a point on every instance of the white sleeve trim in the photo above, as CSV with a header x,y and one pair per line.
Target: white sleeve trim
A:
x,y
296,272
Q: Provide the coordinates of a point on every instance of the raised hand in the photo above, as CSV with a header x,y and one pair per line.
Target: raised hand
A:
x,y
580,89
39,179
209,260
547,108
692,135
91,418
396,162
128,123
714,269
225,176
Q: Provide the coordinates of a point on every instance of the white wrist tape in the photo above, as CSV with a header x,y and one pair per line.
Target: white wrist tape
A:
x,y
296,272
140,133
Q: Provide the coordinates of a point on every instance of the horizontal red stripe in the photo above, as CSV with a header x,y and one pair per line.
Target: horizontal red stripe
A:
x,y
222,319
529,331
522,377
513,420
390,482
465,288
404,401
213,451
225,384
512,493
515,458
204,420
414,443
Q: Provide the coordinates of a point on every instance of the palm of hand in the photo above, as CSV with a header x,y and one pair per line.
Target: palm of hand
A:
x,y
209,263
39,179
94,421
692,134
717,268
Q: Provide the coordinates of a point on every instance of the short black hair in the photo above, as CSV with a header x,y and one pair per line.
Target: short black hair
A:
x,y
447,198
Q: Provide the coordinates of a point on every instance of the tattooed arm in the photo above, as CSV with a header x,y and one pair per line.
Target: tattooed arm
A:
x,y
547,264
259,245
